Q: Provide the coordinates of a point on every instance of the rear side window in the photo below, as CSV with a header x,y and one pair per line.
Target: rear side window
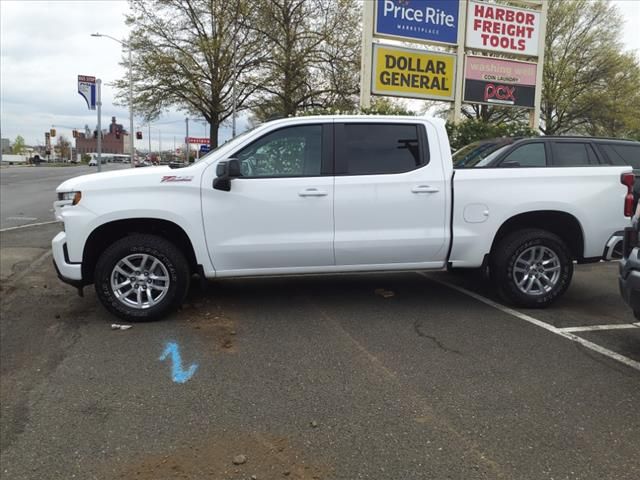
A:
x,y
529,155
370,149
573,154
622,154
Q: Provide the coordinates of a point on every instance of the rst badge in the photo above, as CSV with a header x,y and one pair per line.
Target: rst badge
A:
x,y
176,178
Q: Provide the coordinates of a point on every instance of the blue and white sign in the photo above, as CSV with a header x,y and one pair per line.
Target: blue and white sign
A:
x,y
204,148
87,88
433,21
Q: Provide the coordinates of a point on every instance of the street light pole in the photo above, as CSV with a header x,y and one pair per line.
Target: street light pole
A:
x,y
131,139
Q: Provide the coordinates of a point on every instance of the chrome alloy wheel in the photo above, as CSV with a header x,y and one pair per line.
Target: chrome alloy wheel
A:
x,y
536,270
140,280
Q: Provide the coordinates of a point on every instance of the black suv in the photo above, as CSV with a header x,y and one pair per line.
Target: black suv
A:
x,y
629,279
548,152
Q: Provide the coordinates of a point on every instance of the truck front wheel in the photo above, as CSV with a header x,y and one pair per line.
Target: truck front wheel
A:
x,y
141,277
531,268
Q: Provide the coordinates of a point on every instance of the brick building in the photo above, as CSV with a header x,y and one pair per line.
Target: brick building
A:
x,y
114,141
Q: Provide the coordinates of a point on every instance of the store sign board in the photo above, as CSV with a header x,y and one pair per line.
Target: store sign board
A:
x,y
404,72
495,81
501,28
418,20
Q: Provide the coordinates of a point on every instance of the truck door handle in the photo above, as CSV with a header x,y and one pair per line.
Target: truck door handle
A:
x,y
425,189
312,192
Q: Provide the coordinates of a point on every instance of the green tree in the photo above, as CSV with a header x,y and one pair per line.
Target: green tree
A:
x,y
590,85
189,55
473,129
312,55
18,145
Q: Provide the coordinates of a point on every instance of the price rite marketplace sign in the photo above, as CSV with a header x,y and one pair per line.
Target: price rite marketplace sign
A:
x,y
404,72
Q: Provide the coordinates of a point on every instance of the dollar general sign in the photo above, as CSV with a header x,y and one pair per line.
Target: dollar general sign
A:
x,y
405,72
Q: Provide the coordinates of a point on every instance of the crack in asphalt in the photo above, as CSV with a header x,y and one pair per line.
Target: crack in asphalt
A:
x,y
417,327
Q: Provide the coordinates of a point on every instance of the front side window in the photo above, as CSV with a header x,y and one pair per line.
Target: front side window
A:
x,y
369,149
529,155
288,152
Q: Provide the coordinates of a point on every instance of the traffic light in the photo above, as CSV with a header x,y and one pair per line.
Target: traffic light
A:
x,y
52,132
139,135
95,134
74,133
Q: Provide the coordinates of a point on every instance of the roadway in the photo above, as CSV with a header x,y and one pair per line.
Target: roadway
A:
x,y
27,193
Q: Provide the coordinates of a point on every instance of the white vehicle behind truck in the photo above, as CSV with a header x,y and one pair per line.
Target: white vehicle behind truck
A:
x,y
332,194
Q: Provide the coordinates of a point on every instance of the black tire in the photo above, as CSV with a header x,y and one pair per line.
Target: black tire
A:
x,y
503,260
171,258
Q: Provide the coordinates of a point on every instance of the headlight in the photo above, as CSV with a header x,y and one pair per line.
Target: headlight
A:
x,y
74,197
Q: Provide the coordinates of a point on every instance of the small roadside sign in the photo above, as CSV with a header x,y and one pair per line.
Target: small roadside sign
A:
x,y
87,89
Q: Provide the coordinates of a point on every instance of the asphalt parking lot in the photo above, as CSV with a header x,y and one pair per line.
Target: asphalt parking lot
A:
x,y
395,376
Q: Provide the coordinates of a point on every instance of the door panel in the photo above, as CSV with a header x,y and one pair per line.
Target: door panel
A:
x,y
279,214
392,218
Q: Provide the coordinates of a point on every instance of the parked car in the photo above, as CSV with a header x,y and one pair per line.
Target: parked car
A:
x,y
331,194
629,278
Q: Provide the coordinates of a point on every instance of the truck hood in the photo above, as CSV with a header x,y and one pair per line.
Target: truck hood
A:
x,y
129,177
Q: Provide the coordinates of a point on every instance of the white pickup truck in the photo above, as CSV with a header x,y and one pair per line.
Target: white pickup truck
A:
x,y
332,194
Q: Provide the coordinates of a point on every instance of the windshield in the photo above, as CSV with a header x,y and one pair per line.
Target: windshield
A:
x,y
473,154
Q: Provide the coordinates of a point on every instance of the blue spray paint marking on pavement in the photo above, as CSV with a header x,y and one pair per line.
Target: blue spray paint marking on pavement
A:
x,y
177,373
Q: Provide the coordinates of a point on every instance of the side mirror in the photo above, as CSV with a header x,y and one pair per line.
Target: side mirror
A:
x,y
225,171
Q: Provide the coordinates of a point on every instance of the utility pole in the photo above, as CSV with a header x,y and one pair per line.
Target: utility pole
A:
x,y
149,139
186,141
99,104
233,90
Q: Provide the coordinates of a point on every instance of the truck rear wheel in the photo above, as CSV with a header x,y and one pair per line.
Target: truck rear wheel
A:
x,y
531,268
141,277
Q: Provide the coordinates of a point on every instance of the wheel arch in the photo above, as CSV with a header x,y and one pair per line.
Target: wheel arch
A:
x,y
107,233
563,224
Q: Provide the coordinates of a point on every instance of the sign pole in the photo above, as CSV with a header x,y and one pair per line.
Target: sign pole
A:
x,y
367,54
99,104
462,21
534,115
186,141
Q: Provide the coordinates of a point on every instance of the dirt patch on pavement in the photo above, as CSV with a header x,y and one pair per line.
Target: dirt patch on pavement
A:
x,y
213,322
252,456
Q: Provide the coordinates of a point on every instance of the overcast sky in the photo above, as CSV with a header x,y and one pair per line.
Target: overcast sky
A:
x,y
46,44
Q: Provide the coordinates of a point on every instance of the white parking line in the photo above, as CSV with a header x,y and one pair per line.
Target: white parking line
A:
x,y
593,328
527,318
28,225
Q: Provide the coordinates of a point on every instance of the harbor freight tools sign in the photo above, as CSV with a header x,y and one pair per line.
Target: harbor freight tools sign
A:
x,y
499,28
87,88
499,82
421,20
404,72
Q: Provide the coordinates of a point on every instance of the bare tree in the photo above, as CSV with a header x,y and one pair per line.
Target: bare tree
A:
x,y
312,55
190,54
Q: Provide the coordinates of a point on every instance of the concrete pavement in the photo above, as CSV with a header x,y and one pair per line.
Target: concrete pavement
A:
x,y
314,378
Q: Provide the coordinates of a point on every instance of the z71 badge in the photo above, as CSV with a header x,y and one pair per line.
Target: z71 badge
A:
x,y
176,178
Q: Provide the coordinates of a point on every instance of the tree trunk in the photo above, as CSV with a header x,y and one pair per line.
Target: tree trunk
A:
x,y
213,134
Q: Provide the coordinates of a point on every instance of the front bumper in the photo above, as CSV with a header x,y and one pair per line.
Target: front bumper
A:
x,y
68,272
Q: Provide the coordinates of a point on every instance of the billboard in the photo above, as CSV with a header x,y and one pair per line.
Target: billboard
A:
x,y
500,28
495,81
417,20
405,72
